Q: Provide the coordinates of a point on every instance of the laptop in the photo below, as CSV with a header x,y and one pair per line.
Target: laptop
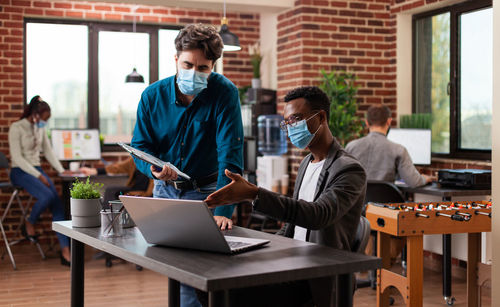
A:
x,y
183,223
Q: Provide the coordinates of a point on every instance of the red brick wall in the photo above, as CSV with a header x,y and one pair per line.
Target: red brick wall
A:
x,y
353,36
12,13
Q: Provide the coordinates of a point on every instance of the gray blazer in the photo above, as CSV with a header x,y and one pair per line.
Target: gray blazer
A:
x,y
332,218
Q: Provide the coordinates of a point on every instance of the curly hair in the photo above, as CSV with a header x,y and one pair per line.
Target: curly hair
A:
x,y
199,36
314,97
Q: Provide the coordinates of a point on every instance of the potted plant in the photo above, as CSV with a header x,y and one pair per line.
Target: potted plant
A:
x,y
85,203
255,60
343,122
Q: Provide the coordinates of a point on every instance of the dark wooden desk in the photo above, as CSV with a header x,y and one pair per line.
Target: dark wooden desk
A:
x,y
282,260
67,180
446,194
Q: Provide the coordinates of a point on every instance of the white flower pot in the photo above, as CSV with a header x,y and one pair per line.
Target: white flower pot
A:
x,y
256,83
86,212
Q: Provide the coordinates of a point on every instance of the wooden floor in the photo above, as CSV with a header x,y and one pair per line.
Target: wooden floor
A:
x,y
39,282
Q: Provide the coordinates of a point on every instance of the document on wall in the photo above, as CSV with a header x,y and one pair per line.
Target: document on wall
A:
x,y
144,156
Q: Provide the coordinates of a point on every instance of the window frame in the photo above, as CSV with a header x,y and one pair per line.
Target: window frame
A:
x,y
454,83
93,63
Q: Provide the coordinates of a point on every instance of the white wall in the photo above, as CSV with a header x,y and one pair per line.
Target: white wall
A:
x,y
268,48
495,155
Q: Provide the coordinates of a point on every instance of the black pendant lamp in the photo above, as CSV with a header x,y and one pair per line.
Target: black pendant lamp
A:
x,y
230,40
134,76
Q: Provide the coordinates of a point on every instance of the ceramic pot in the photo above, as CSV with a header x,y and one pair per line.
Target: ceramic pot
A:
x,y
256,83
86,212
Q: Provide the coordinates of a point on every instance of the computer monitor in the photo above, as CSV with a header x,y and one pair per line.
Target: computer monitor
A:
x,y
76,144
416,141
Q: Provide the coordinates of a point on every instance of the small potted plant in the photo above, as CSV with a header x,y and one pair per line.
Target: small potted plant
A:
x,y
86,203
255,60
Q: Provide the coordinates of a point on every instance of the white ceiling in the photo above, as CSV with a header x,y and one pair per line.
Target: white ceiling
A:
x,y
254,6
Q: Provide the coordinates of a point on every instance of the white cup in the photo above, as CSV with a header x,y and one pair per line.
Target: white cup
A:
x,y
74,166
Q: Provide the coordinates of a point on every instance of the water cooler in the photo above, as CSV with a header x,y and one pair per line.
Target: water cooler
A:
x,y
272,168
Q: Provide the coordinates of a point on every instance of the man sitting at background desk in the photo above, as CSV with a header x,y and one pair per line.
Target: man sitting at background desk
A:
x,y
382,159
326,204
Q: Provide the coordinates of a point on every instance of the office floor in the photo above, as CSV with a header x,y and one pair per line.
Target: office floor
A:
x,y
39,282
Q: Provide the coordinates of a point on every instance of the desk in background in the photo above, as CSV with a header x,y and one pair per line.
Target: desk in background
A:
x,y
282,260
107,180
434,192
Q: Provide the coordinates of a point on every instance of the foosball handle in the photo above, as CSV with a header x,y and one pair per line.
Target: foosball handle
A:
x,y
457,217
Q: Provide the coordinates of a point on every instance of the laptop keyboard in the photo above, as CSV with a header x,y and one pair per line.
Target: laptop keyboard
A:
x,y
236,244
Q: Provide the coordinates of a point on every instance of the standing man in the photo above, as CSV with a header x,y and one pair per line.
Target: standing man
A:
x,y
382,159
193,120
326,204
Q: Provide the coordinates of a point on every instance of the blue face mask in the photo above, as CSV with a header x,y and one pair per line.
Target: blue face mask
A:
x,y
191,82
299,133
41,124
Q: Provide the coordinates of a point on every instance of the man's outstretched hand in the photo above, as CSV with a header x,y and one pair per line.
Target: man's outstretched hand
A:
x,y
238,190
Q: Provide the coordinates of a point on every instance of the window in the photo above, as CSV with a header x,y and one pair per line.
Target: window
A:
x,y
79,68
453,77
57,70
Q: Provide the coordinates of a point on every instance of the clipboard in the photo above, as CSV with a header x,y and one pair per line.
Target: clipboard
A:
x,y
144,156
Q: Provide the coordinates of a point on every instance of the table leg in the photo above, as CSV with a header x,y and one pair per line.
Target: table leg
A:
x,y
473,257
174,293
383,251
447,269
345,290
77,273
415,270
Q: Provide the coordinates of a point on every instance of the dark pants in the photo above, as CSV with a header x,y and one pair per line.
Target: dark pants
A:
x,y
46,197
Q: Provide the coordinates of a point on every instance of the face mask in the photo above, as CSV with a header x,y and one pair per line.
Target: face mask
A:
x,y
299,133
191,82
41,124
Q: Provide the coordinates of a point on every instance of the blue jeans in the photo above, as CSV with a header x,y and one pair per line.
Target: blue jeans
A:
x,y
164,190
46,197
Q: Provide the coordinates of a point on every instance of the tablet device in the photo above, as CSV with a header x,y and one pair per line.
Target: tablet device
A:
x,y
139,154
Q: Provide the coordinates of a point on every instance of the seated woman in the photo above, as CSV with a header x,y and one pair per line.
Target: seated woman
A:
x,y
27,138
137,184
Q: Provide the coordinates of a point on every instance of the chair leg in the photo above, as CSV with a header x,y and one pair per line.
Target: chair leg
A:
x,y
7,245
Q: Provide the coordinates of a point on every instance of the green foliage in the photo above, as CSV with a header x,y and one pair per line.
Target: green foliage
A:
x,y
242,91
416,120
85,190
341,90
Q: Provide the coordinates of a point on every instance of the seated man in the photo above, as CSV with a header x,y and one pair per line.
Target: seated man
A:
x,y
137,184
326,203
382,159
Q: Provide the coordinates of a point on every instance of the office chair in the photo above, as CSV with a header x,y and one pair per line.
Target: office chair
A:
x,y
4,164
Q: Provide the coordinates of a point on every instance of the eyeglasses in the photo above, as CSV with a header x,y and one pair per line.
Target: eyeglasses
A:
x,y
293,120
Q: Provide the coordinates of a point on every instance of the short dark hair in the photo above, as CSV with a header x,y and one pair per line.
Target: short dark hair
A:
x,y
378,115
313,95
36,105
199,36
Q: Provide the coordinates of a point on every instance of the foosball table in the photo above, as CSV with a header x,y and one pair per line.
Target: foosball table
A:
x,y
413,220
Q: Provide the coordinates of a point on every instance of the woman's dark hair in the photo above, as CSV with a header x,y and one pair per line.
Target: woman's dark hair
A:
x,y
36,105
198,36
378,115
314,97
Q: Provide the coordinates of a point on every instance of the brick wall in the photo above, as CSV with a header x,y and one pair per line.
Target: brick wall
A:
x,y
12,13
353,36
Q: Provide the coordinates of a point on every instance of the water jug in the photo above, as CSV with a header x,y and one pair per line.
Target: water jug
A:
x,y
271,139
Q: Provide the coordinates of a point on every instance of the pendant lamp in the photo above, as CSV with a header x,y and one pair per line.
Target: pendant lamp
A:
x,y
230,40
134,76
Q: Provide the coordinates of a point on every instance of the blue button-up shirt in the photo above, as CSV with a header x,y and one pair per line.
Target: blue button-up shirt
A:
x,y
200,139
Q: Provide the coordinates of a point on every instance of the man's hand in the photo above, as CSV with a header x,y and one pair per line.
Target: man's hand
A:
x,y
44,180
238,190
428,179
88,171
165,174
223,222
